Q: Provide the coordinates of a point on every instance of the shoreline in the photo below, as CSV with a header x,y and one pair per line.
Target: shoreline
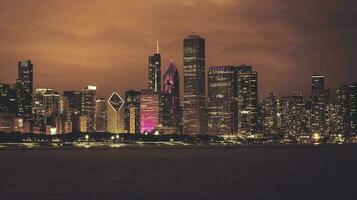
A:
x,y
111,146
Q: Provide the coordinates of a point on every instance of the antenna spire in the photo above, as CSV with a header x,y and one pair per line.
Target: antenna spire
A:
x,y
157,46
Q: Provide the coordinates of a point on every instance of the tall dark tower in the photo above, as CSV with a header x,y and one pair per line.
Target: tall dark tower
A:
x,y
74,108
155,71
24,89
88,106
318,83
247,101
319,101
171,95
194,107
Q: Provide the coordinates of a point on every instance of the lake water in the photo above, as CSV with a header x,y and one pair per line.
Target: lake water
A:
x,y
180,173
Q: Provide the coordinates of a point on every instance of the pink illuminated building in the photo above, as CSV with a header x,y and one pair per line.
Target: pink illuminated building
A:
x,y
150,111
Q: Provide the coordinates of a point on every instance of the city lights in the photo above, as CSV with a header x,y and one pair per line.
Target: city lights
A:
x,y
231,110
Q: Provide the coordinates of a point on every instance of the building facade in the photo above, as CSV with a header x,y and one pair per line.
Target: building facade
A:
x,y
24,90
271,115
346,106
150,111
154,65
132,112
88,106
247,101
7,99
115,114
101,115
222,100
171,98
319,102
296,116
74,108
194,106
46,109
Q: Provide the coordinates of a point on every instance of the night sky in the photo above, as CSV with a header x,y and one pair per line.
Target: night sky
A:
x,y
73,43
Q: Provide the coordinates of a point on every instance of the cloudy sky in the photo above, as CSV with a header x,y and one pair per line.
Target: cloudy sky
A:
x,y
73,43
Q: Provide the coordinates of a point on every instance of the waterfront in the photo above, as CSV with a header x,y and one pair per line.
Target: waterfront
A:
x,y
279,172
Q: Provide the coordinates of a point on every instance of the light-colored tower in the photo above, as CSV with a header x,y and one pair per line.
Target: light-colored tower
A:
x,y
115,114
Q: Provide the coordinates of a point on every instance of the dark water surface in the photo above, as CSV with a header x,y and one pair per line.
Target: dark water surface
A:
x,y
180,173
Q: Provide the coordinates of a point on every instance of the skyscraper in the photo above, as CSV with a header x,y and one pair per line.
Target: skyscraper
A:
x,y
222,100
101,115
65,115
7,108
132,112
346,102
24,89
319,101
171,98
74,100
295,116
38,109
88,106
51,104
194,113
247,101
150,111
46,111
74,108
7,99
155,71
317,83
271,115
115,114
353,109
332,120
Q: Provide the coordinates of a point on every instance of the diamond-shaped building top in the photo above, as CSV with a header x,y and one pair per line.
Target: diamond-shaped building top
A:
x,y
116,102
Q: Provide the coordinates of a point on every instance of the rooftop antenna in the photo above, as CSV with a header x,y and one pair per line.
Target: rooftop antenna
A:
x,y
157,46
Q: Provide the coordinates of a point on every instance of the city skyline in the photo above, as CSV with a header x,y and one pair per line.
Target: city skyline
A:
x,y
229,106
293,47
178,99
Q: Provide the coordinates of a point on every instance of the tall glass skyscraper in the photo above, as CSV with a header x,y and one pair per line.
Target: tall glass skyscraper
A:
x,y
247,101
194,108
155,71
171,98
74,108
222,100
319,101
24,89
88,107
